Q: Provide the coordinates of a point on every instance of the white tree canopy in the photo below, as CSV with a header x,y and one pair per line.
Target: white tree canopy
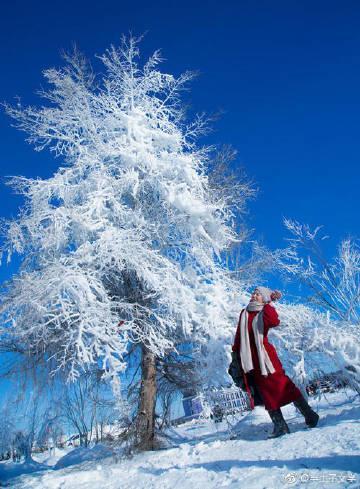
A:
x,y
128,229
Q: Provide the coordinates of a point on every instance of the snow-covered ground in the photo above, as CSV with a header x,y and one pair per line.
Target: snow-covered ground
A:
x,y
209,456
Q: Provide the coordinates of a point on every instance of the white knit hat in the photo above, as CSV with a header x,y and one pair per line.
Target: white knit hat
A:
x,y
269,295
265,292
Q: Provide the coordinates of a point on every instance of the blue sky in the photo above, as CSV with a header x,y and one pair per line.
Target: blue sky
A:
x,y
285,74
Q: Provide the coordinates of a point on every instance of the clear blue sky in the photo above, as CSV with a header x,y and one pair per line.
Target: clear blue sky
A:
x,y
286,75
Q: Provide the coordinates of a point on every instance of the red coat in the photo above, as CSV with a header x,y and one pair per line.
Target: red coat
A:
x,y
275,389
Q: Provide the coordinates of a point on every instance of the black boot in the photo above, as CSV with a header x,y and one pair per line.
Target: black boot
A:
x,y
280,426
311,417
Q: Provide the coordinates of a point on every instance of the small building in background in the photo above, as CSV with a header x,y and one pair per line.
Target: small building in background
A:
x,y
214,403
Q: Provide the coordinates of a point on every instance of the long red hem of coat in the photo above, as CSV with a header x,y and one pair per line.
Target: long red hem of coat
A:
x,y
276,390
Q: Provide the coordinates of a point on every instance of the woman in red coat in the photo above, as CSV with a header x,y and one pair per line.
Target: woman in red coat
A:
x,y
261,372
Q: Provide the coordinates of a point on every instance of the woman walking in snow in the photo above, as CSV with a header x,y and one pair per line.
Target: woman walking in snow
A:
x,y
256,367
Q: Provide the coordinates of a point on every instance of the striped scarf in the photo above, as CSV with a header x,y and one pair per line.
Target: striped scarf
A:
x,y
258,329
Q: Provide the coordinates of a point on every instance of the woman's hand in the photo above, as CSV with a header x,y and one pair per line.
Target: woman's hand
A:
x,y
275,295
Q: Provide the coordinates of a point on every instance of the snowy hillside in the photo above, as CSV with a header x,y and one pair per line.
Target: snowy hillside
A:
x,y
208,456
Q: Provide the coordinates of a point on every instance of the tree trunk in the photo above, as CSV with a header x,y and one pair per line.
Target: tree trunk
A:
x,y
146,412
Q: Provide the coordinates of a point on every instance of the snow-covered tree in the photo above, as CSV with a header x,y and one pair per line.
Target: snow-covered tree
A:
x,y
85,405
7,429
122,244
332,285
26,416
310,342
323,334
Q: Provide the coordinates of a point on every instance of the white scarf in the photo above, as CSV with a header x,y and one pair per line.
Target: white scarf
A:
x,y
258,330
